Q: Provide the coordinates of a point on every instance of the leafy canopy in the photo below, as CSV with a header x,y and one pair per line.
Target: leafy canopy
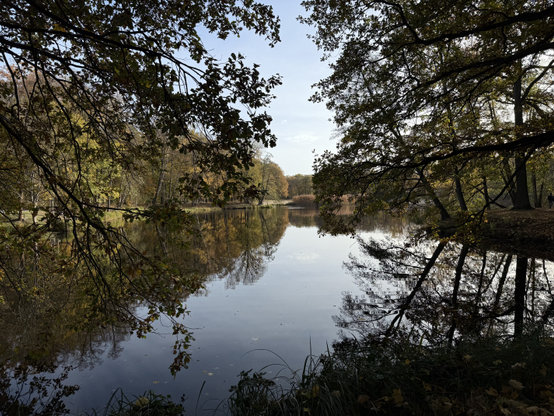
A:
x,y
410,87
91,94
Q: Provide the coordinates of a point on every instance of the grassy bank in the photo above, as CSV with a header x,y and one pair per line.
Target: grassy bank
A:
x,y
491,377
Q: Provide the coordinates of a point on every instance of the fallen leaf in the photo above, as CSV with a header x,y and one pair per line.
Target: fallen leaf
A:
x,y
515,384
397,395
362,398
491,392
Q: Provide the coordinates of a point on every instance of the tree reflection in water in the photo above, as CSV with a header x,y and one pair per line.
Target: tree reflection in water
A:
x,y
50,324
439,293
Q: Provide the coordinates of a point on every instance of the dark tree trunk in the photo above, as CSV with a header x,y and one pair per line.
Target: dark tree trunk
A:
x,y
522,191
460,193
500,288
436,201
486,193
536,196
508,180
395,323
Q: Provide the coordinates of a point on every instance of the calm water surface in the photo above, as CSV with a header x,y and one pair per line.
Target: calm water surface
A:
x,y
274,292
270,299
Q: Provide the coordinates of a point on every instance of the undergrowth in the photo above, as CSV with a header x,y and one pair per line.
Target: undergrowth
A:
x,y
492,377
149,404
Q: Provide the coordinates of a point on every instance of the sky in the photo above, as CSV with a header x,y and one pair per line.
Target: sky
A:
x,y
301,127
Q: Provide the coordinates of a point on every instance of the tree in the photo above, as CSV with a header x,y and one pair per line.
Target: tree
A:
x,y
300,185
93,92
410,88
272,179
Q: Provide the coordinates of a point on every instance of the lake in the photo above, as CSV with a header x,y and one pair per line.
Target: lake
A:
x,y
275,291
272,286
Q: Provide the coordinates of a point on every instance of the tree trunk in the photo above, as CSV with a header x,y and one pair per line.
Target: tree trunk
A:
x,y
459,193
536,197
508,180
395,323
486,193
444,213
458,278
522,192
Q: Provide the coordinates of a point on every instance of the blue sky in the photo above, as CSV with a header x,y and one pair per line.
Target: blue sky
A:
x,y
300,126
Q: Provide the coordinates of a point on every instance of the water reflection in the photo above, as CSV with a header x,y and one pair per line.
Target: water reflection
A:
x,y
425,291
51,324
442,292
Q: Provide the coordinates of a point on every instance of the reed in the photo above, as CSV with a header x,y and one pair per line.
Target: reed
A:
x,y
308,199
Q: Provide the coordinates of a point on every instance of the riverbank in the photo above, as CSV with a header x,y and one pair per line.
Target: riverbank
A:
x,y
203,207
528,233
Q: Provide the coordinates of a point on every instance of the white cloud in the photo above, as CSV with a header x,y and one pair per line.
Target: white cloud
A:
x,y
302,138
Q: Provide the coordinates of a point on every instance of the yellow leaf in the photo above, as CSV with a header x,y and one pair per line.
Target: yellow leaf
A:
x,y
397,396
335,393
427,386
491,392
467,357
141,401
407,362
515,384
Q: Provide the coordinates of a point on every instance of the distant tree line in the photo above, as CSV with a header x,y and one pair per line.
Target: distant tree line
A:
x,y
299,185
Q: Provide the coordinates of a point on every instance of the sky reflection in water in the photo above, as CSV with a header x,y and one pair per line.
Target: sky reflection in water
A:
x,y
279,319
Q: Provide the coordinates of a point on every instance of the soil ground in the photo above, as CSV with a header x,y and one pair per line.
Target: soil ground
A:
x,y
529,232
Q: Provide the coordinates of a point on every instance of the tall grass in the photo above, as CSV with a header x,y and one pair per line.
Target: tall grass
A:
x,y
492,377
149,404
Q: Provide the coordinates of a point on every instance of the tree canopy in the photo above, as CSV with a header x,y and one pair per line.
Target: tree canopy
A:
x,y
94,93
423,91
